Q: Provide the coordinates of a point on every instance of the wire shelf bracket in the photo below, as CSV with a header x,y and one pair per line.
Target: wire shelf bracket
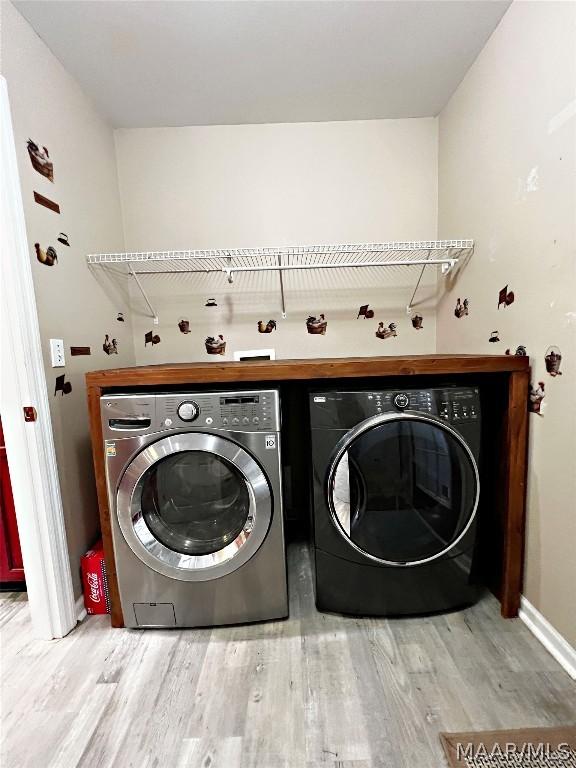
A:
x,y
153,312
410,253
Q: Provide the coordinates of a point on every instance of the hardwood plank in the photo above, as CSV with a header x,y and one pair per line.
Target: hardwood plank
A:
x,y
11,603
39,734
305,369
166,709
122,731
377,703
225,752
515,452
68,751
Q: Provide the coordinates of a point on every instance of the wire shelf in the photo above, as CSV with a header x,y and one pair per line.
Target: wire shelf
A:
x,y
410,253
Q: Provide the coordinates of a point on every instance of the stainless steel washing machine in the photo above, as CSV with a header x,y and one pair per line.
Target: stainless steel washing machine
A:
x,y
194,484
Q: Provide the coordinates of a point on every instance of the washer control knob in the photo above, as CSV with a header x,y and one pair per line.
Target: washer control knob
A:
x,y
188,410
401,400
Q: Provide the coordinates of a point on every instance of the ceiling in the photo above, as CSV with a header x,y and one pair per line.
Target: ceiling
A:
x,y
167,63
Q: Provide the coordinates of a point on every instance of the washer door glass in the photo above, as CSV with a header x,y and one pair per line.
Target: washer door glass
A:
x,y
194,502
404,490
194,506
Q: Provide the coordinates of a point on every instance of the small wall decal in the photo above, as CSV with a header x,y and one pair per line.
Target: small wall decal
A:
x,y
110,346
268,328
520,351
316,325
63,386
40,160
505,297
151,338
48,256
120,317
75,351
461,308
553,358
215,346
417,321
211,303
63,238
385,332
46,202
535,397
184,325
365,312
494,337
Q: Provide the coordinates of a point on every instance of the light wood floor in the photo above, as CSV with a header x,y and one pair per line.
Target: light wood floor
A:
x,y
313,691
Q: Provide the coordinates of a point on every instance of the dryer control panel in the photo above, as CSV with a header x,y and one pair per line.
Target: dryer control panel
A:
x,y
337,410
248,411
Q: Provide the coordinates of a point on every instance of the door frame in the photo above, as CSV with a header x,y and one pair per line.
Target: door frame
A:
x,y
30,445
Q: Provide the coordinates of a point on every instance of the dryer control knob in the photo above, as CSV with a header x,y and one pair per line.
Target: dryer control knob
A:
x,y
188,410
401,400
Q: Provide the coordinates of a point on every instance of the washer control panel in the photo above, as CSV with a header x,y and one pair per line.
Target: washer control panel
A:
x,y
248,411
241,411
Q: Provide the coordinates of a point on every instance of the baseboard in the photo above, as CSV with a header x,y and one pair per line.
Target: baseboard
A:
x,y
550,638
80,609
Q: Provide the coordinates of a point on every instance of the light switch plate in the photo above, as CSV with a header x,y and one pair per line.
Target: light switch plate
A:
x,y
57,353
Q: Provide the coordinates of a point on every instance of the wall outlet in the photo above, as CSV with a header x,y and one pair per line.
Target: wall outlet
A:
x,y
57,353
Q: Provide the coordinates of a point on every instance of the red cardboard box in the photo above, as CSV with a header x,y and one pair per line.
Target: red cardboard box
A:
x,y
94,581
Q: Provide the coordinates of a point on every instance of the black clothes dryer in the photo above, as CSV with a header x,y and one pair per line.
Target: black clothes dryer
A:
x,y
395,495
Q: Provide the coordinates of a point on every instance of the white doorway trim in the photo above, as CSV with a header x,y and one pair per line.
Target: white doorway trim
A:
x,y
30,446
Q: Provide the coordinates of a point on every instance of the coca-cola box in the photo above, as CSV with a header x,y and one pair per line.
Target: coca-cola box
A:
x,y
94,581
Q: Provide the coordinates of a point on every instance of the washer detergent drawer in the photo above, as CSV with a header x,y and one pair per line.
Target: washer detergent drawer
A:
x,y
155,614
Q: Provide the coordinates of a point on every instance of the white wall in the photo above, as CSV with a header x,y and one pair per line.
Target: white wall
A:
x,y
48,106
283,184
507,177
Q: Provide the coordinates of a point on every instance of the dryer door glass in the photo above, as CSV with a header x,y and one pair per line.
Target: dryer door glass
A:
x,y
404,491
194,502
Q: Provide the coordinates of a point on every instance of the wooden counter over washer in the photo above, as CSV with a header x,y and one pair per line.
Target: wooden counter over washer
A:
x,y
512,372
